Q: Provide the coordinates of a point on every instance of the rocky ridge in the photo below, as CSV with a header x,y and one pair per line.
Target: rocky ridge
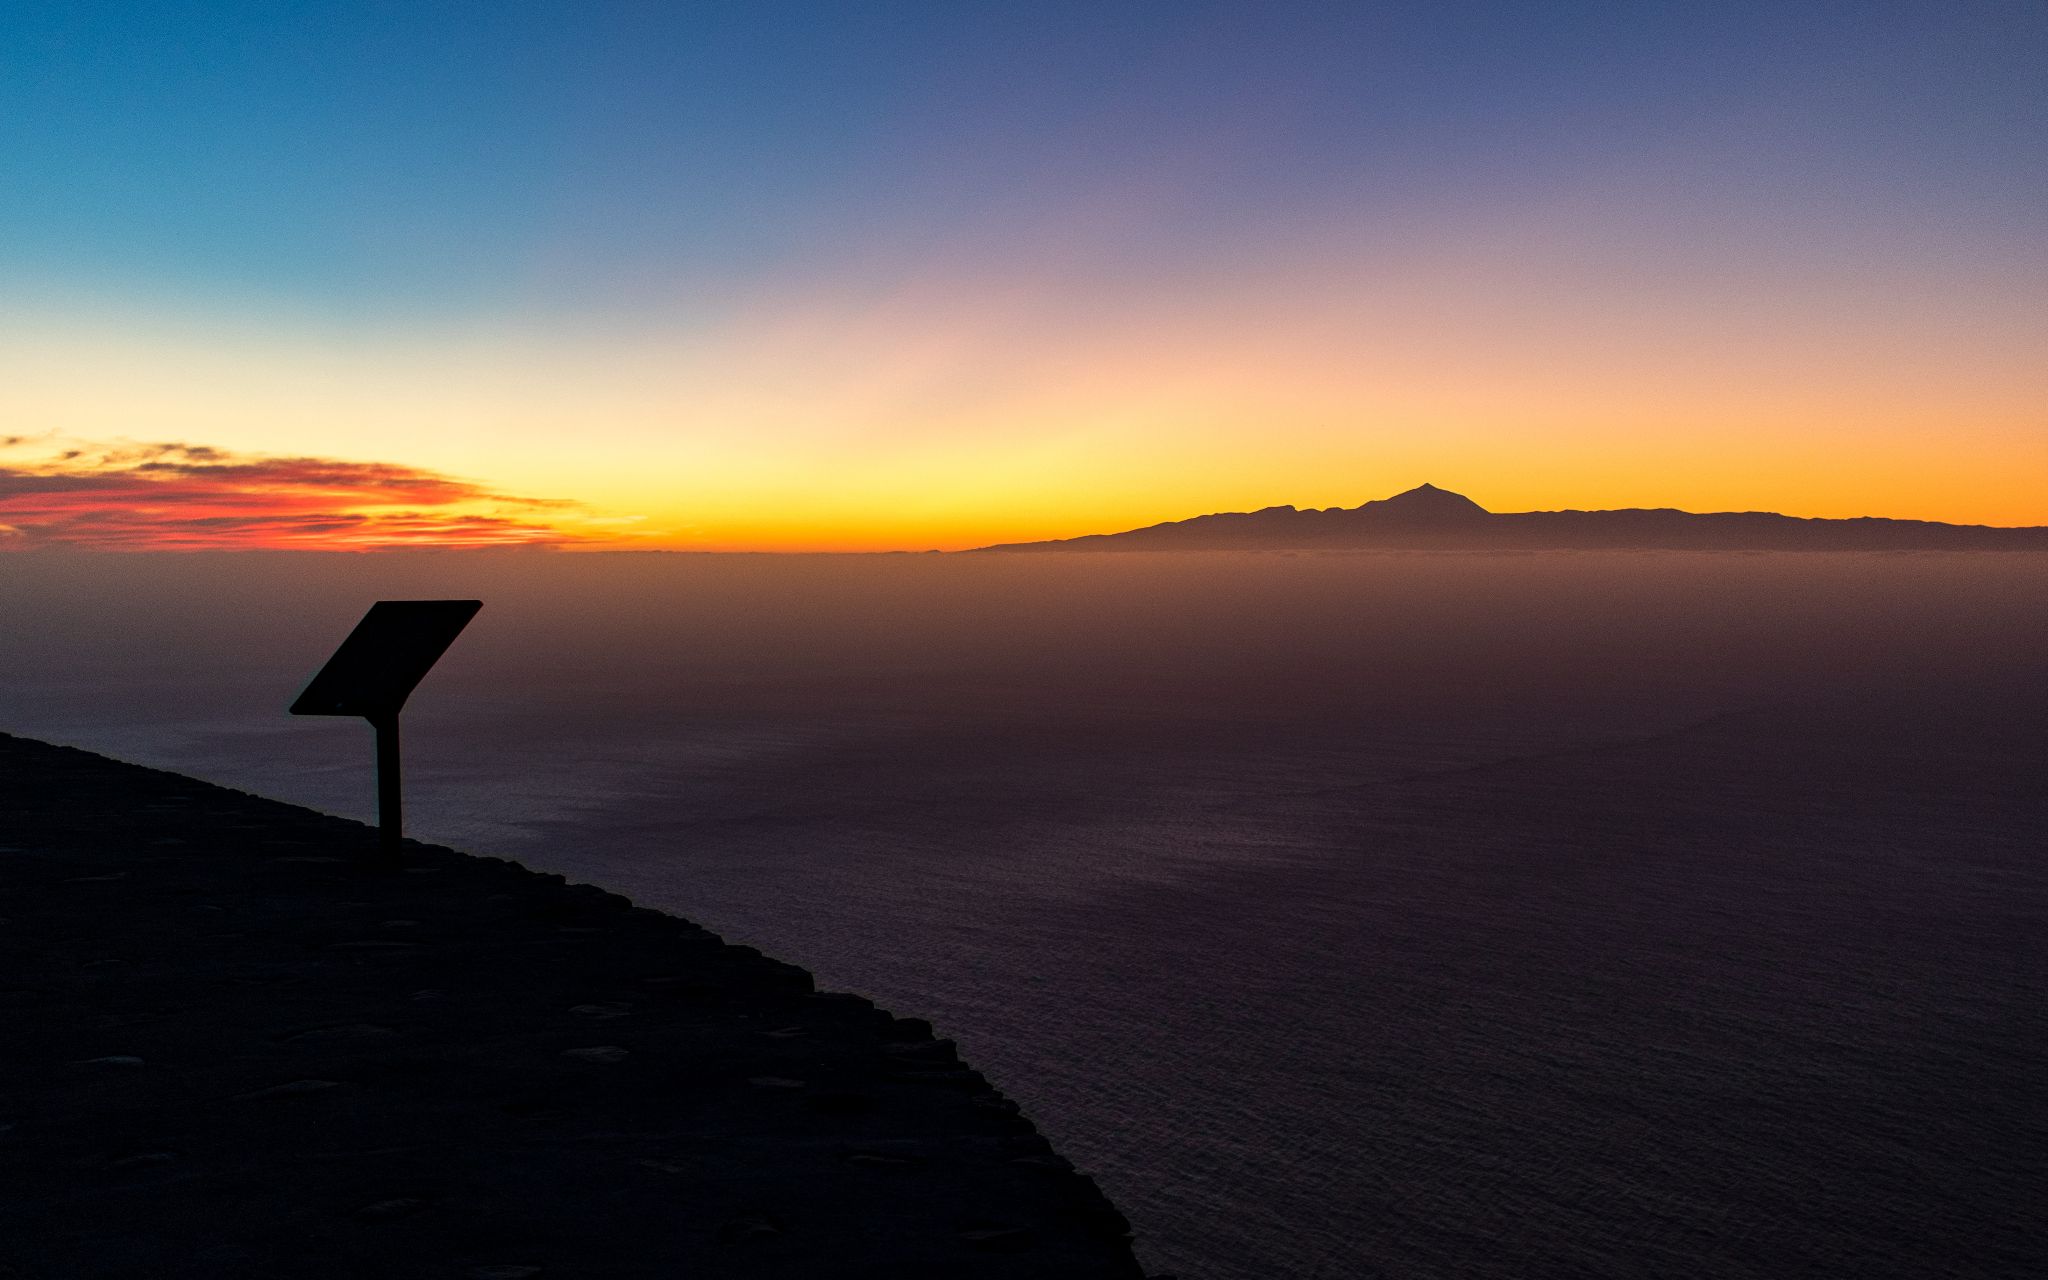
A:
x,y
240,1046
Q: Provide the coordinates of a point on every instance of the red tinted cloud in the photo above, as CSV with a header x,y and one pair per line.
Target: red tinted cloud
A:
x,y
192,497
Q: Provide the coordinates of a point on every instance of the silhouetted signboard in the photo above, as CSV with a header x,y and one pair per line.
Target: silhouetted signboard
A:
x,y
375,671
385,657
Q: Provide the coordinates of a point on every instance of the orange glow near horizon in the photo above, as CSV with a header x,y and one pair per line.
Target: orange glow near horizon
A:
x,y
189,497
956,406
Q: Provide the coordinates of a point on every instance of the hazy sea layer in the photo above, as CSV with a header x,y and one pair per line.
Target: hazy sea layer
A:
x,y
1346,914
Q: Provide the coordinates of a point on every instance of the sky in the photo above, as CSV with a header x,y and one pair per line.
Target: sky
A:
x,y
905,276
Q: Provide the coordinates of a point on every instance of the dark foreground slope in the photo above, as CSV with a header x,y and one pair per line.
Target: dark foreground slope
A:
x,y
232,1049
1429,518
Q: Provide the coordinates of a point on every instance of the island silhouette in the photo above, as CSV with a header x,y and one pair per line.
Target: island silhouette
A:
x,y
1430,518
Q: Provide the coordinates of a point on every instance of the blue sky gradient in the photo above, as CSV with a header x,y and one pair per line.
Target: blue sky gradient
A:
x,y
1072,210
431,153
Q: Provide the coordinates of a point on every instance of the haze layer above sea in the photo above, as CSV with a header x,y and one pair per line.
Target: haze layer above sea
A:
x,y
1349,913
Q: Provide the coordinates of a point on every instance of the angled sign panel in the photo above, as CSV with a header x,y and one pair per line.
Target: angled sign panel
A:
x,y
385,657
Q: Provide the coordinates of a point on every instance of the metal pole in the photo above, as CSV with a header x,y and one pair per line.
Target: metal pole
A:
x,y
390,813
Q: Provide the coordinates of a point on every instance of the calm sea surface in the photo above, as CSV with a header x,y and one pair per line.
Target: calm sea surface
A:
x,y
1346,915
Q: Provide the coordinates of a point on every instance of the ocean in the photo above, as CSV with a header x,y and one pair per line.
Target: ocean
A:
x,y
1346,914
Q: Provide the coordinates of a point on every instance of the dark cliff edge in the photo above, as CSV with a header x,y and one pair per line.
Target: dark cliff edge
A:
x,y
235,1046
1431,519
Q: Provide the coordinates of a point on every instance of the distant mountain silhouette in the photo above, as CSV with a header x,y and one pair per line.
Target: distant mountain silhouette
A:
x,y
1429,518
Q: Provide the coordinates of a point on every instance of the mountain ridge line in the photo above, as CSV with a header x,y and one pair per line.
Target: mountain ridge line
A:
x,y
1429,518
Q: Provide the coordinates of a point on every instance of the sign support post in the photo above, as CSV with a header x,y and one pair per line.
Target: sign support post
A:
x,y
390,810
